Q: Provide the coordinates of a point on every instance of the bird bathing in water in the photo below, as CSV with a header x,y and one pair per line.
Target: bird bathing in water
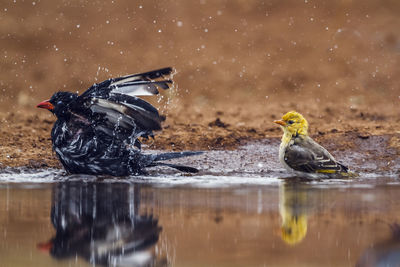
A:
x,y
97,132
300,154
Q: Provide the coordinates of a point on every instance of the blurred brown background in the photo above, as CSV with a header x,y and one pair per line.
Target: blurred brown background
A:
x,y
245,62
245,50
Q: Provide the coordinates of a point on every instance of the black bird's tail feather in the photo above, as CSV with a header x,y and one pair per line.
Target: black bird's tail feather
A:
x,y
175,155
181,168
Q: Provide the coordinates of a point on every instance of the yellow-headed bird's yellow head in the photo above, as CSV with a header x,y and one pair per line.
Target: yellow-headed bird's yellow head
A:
x,y
293,123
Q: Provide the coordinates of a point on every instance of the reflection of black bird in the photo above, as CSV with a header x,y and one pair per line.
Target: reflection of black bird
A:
x,y
97,132
386,253
101,223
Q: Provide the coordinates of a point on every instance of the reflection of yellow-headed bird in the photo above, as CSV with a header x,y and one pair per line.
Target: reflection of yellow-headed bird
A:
x,y
294,228
300,153
292,207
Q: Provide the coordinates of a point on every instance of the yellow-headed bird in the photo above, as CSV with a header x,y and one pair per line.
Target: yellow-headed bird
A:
x,y
298,152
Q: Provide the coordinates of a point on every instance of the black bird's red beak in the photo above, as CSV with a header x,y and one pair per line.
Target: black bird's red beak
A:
x,y
45,104
45,246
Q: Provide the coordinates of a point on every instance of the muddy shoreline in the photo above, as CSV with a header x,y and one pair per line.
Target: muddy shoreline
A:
x,y
25,139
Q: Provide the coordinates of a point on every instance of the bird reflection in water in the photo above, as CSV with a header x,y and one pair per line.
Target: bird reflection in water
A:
x,y
386,253
100,223
293,208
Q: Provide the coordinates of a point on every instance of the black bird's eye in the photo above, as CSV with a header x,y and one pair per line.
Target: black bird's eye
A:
x,y
290,122
59,102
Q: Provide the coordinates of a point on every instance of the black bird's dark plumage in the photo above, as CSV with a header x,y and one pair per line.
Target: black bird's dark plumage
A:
x,y
97,132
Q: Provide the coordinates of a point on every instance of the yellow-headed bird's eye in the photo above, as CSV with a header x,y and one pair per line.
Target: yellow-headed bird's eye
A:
x,y
290,122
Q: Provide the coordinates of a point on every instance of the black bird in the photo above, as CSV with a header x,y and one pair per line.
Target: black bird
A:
x,y
97,132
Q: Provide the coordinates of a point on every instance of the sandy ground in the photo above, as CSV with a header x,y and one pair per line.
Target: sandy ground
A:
x,y
240,65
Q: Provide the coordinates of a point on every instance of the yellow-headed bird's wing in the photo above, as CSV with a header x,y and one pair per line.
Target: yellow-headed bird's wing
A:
x,y
304,154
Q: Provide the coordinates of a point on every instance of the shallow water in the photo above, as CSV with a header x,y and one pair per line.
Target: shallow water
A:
x,y
242,209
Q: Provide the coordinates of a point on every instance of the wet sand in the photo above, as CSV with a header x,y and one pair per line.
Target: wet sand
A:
x,y
240,65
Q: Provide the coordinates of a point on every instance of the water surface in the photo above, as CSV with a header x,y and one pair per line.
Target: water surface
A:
x,y
242,209
77,223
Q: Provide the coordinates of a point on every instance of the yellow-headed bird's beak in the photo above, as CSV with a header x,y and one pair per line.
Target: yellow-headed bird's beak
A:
x,y
280,122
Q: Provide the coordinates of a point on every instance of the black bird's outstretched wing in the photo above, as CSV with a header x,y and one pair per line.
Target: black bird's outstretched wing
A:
x,y
307,156
115,109
139,84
